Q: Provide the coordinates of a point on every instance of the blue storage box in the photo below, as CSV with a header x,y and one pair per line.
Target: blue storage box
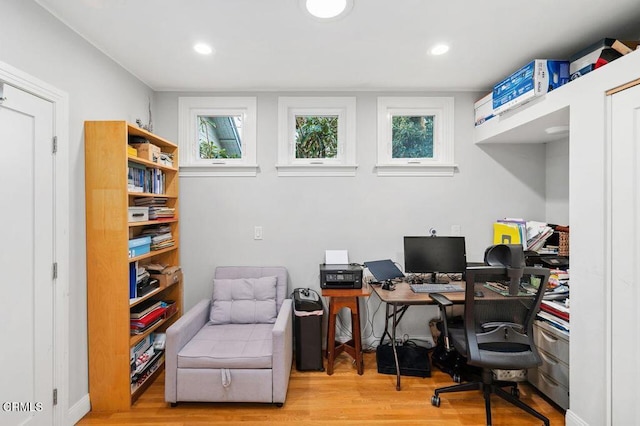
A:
x,y
139,246
534,79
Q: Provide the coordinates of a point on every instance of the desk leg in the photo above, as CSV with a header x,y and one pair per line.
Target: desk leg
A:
x,y
331,337
393,346
357,342
385,333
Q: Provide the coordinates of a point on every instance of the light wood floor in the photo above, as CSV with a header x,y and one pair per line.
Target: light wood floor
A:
x,y
315,398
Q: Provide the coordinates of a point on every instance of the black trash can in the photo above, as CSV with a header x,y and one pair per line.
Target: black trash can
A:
x,y
307,329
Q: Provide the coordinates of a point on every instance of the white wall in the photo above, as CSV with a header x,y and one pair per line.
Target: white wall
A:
x,y
36,43
367,215
557,182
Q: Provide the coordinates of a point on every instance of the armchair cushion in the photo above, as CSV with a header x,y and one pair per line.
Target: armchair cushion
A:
x,y
229,346
244,301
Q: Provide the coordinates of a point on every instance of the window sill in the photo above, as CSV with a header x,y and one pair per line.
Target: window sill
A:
x,y
220,170
287,170
416,169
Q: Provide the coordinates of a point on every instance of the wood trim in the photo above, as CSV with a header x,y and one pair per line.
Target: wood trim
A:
x,y
622,87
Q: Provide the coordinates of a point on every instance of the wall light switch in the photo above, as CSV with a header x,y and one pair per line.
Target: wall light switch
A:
x,y
257,232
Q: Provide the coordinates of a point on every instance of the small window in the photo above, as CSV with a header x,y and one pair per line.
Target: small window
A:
x,y
316,136
220,136
415,136
217,136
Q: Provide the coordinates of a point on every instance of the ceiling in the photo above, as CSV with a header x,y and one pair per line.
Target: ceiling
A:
x,y
379,45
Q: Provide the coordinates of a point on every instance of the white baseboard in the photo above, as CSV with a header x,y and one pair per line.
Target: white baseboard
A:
x,y
78,410
572,419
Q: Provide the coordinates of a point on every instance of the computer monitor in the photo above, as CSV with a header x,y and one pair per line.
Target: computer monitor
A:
x,y
434,255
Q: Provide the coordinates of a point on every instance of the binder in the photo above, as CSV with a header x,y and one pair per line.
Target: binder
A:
x,y
506,233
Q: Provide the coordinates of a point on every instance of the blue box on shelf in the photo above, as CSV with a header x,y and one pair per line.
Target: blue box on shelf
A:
x,y
139,246
534,79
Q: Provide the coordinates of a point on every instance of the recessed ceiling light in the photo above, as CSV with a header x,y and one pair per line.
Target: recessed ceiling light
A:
x,y
439,49
328,9
554,130
202,48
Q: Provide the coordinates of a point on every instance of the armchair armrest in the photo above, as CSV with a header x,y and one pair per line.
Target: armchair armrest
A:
x,y
282,340
178,335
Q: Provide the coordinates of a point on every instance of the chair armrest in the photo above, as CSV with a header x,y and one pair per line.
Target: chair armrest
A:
x,y
178,335
282,339
442,300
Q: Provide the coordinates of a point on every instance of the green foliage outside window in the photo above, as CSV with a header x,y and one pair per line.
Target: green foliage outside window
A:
x,y
209,148
316,137
412,137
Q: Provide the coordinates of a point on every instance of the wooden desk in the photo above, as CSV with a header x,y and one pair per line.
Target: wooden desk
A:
x,y
345,298
398,301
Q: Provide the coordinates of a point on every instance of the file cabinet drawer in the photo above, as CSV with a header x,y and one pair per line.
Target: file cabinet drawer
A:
x,y
554,390
554,368
553,342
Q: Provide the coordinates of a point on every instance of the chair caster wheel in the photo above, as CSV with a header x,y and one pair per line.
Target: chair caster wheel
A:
x,y
457,378
435,400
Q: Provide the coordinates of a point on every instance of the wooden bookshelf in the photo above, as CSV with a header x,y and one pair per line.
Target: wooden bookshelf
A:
x,y
108,232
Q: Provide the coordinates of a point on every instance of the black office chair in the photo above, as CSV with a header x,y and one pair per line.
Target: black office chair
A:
x,y
497,333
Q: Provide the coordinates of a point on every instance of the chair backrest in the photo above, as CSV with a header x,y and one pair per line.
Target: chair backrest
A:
x,y
499,330
280,272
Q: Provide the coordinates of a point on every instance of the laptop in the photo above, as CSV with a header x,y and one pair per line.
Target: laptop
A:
x,y
384,270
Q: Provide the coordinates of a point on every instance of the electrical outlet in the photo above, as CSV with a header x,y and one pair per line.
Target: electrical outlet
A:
x,y
257,232
455,230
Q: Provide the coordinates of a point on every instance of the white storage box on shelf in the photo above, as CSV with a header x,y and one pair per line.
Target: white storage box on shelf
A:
x,y
483,109
534,79
138,214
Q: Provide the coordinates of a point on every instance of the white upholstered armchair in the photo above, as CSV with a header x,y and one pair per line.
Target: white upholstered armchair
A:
x,y
236,346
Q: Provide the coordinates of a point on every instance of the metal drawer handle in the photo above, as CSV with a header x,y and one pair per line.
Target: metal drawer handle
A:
x,y
548,337
548,379
548,359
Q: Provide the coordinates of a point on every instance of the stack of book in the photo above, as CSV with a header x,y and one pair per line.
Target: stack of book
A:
x,y
599,54
554,308
143,179
531,234
157,207
161,237
145,315
145,358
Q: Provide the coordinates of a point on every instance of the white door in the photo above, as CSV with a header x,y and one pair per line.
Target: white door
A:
x,y
625,255
26,259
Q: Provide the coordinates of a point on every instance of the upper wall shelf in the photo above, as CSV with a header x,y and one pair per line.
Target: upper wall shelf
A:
x,y
529,122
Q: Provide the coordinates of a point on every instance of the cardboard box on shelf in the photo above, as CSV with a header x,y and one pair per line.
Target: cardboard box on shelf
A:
x,y
148,151
168,279
538,77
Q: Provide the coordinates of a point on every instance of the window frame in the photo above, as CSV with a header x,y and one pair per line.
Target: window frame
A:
x,y
189,109
291,106
442,110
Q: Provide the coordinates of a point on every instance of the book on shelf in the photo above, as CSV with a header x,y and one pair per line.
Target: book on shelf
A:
x,y
147,320
554,321
144,308
556,308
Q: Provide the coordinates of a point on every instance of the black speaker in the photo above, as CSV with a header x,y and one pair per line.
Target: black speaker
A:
x,y
412,359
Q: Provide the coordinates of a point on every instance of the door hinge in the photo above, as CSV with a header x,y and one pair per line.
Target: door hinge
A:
x,y
55,397
55,144
55,270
